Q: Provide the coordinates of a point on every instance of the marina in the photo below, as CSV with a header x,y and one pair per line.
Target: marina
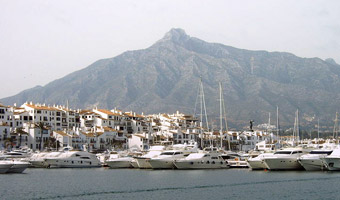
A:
x,y
105,183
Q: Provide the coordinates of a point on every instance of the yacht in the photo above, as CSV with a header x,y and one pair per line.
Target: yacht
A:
x,y
236,160
4,166
143,161
257,162
332,162
202,160
22,153
16,166
102,157
38,160
74,159
312,161
120,162
285,159
166,159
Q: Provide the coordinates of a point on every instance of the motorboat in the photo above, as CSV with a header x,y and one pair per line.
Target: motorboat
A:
x,y
153,152
285,159
166,159
17,154
332,162
38,160
256,163
4,166
236,160
120,162
202,160
312,161
74,159
16,166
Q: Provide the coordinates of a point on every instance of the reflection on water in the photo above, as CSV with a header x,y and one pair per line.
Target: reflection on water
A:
x,y
105,183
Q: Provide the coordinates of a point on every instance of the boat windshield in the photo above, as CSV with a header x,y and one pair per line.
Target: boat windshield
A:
x,y
168,153
283,152
321,152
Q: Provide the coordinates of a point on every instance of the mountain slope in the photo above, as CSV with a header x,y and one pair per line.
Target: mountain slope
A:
x,y
165,76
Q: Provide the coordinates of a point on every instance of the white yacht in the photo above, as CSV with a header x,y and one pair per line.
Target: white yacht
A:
x,y
74,159
102,157
312,161
4,166
16,166
166,159
120,162
285,159
236,160
202,160
143,161
257,162
332,162
17,154
38,160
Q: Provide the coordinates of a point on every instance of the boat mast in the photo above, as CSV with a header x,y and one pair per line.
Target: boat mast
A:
x,y
201,115
294,130
318,132
336,128
297,126
269,129
221,133
277,124
203,110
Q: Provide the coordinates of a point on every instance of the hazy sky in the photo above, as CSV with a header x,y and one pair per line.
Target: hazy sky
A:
x,y
42,40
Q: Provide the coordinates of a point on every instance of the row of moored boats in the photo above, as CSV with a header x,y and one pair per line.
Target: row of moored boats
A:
x,y
180,156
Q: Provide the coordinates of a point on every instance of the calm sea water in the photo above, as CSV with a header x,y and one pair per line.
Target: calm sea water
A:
x,y
104,183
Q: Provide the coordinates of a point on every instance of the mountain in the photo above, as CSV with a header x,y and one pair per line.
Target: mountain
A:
x,y
165,78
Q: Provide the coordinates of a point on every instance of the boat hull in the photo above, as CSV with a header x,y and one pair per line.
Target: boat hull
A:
x,y
134,163
238,164
332,164
38,163
161,164
143,163
18,168
283,164
312,164
56,163
200,165
4,168
257,164
119,164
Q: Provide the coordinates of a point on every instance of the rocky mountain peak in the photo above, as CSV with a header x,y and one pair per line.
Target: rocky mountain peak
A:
x,y
331,61
176,35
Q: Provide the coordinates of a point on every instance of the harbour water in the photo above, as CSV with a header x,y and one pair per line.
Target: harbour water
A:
x,y
104,183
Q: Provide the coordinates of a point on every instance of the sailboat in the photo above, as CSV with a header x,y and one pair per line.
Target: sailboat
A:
x,y
209,157
203,111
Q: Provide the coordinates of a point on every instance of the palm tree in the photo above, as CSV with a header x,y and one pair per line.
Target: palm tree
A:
x,y
20,131
41,126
